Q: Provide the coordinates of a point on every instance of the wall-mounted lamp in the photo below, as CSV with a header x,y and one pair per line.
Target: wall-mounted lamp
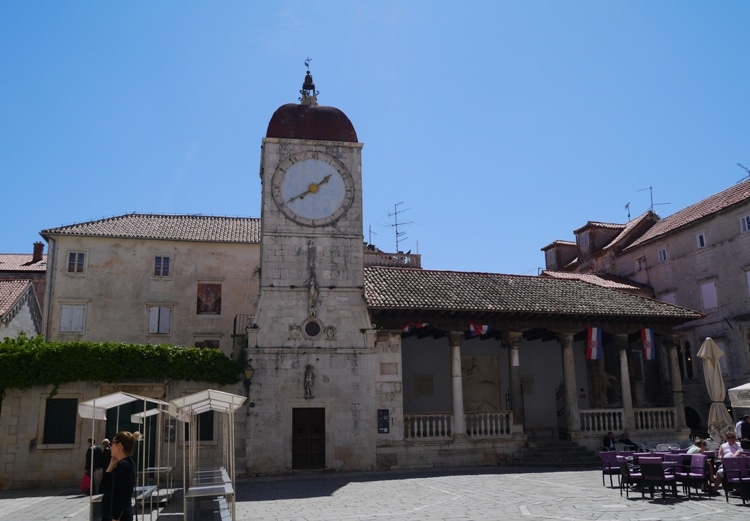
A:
x,y
247,375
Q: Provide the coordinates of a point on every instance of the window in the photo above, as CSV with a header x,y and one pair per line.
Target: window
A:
x,y
60,415
205,425
700,240
640,264
669,298
708,295
72,318
663,255
159,320
745,223
162,265
209,299
77,262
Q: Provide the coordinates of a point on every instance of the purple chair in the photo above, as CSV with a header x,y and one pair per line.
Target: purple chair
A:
x,y
655,476
736,475
609,467
628,476
694,475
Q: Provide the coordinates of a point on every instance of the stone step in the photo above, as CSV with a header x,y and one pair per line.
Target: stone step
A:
x,y
553,453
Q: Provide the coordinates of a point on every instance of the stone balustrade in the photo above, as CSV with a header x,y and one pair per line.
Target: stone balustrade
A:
x,y
478,424
646,419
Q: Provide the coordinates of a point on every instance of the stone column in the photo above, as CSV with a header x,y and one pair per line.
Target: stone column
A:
x,y
621,341
512,341
459,420
671,342
572,420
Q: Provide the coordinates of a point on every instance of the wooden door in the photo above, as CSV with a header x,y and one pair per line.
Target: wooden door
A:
x,y
308,438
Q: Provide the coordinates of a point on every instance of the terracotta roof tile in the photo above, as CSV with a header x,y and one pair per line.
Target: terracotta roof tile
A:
x,y
21,262
402,288
737,194
169,227
10,291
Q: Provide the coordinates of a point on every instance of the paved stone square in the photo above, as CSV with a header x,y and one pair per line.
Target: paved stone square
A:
x,y
452,495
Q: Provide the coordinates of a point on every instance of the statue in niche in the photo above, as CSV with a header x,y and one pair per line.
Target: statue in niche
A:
x,y
308,381
294,332
312,297
330,332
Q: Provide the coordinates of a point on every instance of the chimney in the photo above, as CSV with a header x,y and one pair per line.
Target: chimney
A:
x,y
38,251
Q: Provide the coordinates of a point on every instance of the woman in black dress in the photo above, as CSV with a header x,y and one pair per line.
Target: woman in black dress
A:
x,y
119,478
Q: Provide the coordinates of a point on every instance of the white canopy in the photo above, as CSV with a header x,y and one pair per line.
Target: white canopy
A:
x,y
96,409
740,396
208,400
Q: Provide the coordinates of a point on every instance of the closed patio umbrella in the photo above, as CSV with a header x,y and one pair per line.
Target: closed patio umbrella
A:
x,y
719,420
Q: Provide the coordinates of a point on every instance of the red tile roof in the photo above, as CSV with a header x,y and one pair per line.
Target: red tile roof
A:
x,y
414,289
10,291
737,194
168,227
21,262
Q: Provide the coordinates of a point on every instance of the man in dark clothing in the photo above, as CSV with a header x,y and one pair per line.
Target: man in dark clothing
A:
x,y
745,428
93,454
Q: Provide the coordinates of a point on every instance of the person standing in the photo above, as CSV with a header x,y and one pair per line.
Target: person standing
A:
x,y
105,457
744,428
93,462
119,478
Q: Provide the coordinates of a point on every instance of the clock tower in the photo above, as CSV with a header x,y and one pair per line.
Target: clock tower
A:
x,y
311,275
311,346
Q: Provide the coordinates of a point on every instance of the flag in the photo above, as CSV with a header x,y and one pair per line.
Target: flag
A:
x,y
411,326
478,329
649,344
594,344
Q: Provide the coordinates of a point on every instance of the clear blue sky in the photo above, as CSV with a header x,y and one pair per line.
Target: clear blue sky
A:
x,y
500,125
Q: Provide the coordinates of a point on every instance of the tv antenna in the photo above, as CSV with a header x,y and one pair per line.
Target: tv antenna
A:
x,y
627,207
745,169
651,194
370,233
400,235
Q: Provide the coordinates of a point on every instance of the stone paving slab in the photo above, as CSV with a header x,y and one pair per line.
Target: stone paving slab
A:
x,y
476,494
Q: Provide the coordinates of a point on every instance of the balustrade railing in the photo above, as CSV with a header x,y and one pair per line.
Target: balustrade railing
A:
x,y
601,420
488,423
646,419
427,425
655,418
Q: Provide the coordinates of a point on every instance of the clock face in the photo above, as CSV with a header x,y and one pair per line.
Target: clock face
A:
x,y
312,188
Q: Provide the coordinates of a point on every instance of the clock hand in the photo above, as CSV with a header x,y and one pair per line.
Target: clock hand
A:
x,y
311,189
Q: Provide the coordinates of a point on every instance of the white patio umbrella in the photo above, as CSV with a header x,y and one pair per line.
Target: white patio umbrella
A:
x,y
719,420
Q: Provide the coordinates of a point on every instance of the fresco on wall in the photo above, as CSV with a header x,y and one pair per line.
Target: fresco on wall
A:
x,y
481,383
209,299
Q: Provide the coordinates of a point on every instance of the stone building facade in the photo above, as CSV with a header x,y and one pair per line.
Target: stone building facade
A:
x,y
696,258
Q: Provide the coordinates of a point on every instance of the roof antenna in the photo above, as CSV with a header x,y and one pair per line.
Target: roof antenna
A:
x,y
396,224
745,169
627,207
651,193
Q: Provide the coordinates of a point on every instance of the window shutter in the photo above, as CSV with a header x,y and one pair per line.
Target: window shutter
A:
x,y
153,319
164,319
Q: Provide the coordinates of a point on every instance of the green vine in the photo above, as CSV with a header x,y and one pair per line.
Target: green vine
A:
x,y
28,362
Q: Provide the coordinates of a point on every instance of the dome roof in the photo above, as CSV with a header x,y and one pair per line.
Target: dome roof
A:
x,y
293,121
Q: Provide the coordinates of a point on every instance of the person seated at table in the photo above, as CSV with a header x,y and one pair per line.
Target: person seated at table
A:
x,y
699,448
729,448
744,448
625,440
608,443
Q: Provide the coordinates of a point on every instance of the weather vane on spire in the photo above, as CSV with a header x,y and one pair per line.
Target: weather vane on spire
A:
x,y
309,94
